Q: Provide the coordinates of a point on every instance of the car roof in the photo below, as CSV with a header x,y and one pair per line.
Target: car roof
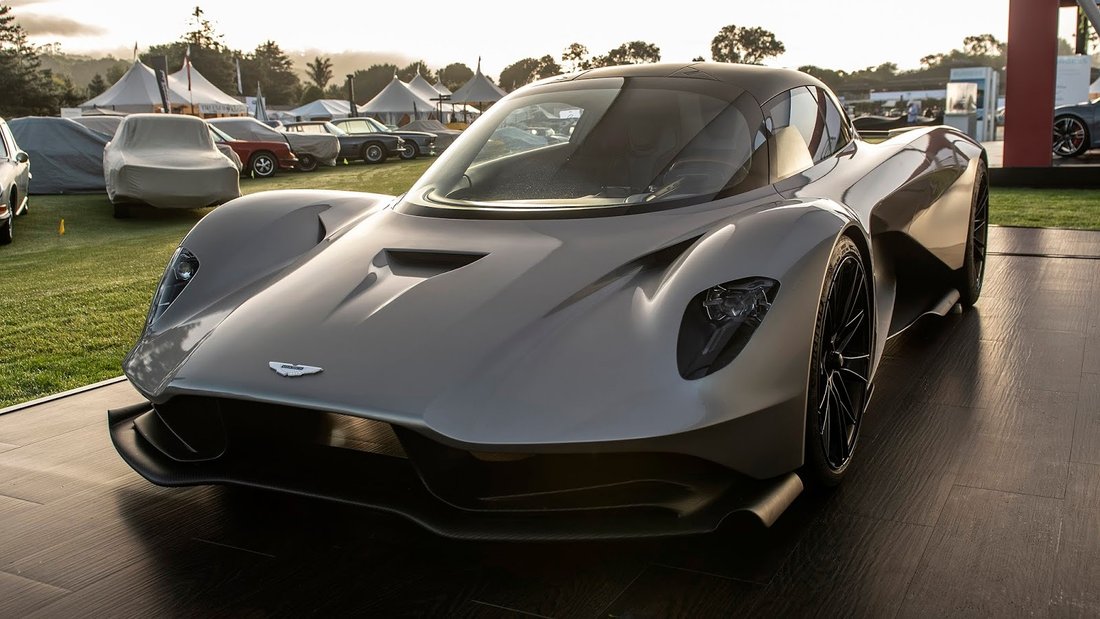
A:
x,y
762,83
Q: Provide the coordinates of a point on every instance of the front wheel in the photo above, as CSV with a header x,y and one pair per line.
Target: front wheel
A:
x,y
840,368
1071,137
977,238
263,165
373,153
411,151
6,232
307,163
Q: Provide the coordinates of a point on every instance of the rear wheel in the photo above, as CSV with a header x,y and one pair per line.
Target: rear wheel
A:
x,y
307,163
977,238
411,151
263,165
373,152
6,233
839,384
1071,136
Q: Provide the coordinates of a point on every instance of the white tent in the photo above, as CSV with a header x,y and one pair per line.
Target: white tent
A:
x,y
135,91
440,88
478,90
395,102
322,109
422,88
206,97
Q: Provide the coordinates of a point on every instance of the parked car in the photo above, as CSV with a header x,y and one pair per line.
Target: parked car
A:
x,y
167,161
374,148
1076,128
15,175
675,315
311,149
260,158
417,143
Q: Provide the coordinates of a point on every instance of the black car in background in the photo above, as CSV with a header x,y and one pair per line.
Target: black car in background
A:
x,y
374,148
418,142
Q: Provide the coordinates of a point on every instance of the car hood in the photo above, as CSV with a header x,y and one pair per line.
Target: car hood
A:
x,y
453,324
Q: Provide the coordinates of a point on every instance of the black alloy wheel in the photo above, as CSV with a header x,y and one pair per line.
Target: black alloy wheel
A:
x,y
840,382
1071,137
307,163
263,165
410,151
973,271
373,152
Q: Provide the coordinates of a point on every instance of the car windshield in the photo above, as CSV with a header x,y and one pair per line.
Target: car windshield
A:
x,y
334,130
219,135
605,142
378,126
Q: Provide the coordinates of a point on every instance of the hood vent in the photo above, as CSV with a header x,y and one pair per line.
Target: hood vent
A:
x,y
423,263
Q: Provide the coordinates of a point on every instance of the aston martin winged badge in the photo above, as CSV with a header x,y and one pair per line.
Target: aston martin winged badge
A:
x,y
291,369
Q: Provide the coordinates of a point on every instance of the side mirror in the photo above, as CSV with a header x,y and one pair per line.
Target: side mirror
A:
x,y
22,157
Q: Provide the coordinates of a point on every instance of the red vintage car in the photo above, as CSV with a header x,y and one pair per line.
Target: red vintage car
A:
x,y
260,159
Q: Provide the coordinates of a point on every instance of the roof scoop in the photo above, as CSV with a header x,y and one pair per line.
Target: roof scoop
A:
x,y
423,263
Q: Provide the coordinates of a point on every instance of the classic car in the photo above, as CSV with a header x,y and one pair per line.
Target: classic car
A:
x,y
417,143
167,161
673,312
15,174
260,158
311,149
373,148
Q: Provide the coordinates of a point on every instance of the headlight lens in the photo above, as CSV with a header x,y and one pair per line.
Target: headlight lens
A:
x,y
718,323
181,269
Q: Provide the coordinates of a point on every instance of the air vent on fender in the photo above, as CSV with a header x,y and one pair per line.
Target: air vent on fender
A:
x,y
423,263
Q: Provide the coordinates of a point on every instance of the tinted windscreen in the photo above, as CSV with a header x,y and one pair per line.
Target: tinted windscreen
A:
x,y
603,143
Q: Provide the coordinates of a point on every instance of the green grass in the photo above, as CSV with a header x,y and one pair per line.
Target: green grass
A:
x,y
1045,208
71,306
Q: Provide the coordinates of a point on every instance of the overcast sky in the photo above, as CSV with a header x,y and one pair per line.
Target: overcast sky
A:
x,y
847,34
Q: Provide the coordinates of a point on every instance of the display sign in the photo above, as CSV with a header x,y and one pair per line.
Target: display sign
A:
x,y
1072,80
976,102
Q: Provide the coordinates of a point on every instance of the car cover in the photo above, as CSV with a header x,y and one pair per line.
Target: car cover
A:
x,y
67,157
443,135
167,161
100,124
323,148
228,151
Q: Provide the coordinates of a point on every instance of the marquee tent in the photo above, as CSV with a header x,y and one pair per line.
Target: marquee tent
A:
x,y
440,88
395,102
67,157
135,91
478,90
205,96
422,88
321,109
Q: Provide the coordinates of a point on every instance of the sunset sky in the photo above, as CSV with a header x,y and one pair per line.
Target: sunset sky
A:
x,y
862,33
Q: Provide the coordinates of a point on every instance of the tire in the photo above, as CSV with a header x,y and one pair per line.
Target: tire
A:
x,y
307,163
373,152
263,165
839,384
411,151
6,232
1070,137
972,273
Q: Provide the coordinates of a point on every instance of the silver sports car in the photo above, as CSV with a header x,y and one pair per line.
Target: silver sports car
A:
x,y
630,301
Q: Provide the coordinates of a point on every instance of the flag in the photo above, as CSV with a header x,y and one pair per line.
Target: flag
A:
x,y
162,86
240,88
261,108
187,65
135,50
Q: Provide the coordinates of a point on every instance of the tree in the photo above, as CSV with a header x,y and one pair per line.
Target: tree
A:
x,y
28,89
412,69
312,93
96,86
833,79
209,55
633,52
114,74
745,45
273,69
983,45
202,33
575,58
319,71
454,75
525,71
370,82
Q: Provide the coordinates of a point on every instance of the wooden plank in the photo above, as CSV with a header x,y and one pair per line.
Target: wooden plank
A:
x,y
20,596
1086,427
663,591
1076,580
991,555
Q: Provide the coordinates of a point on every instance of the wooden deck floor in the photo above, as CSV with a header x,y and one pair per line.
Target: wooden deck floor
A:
x,y
976,492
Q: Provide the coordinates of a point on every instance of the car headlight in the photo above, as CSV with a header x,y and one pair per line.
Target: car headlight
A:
x,y
718,323
181,269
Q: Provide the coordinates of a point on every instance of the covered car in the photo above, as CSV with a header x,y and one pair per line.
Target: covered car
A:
x,y
417,143
106,125
167,161
311,149
371,148
443,135
672,311
68,157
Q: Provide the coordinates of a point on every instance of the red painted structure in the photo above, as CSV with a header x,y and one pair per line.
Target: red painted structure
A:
x,y
1029,93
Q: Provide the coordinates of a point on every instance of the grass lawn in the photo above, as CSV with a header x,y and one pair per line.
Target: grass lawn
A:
x,y
73,305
